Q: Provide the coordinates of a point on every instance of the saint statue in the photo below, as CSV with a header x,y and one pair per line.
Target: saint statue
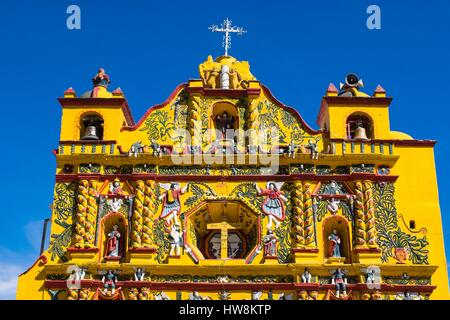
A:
x,y
333,206
225,77
112,248
171,205
371,276
256,295
340,280
156,148
115,204
273,205
109,282
306,276
175,239
224,122
139,274
115,188
312,146
195,296
335,242
270,244
290,150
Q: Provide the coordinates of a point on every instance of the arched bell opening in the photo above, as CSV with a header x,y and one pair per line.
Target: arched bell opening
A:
x,y
91,126
110,223
341,225
359,127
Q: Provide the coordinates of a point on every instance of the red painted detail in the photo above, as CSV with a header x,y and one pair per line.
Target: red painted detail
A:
x,y
228,93
70,90
202,286
294,112
306,250
367,250
332,88
262,178
82,250
42,260
379,89
99,102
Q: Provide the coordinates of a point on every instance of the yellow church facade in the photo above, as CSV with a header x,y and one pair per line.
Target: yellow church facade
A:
x,y
223,192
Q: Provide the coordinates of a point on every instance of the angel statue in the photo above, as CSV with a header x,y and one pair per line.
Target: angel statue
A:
x,y
171,205
115,204
139,274
273,205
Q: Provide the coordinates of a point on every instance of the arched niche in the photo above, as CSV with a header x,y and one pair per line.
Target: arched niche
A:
x,y
341,225
107,224
91,126
218,110
356,120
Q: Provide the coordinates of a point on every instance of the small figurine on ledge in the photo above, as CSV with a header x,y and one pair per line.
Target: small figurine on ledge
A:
x,y
335,242
109,282
139,274
291,149
156,148
312,146
340,280
371,277
270,245
306,276
112,249
195,296
256,295
115,204
136,148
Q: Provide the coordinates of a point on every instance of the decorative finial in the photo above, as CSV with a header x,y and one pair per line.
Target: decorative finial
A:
x,y
227,28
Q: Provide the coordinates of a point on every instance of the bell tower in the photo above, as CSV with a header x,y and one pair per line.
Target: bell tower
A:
x,y
350,114
96,115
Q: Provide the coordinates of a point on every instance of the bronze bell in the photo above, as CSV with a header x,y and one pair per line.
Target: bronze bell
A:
x,y
91,133
360,134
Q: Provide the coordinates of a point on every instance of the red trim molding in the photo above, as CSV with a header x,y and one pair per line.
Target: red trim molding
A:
x,y
142,250
88,142
99,102
202,286
367,250
305,250
82,250
263,178
155,107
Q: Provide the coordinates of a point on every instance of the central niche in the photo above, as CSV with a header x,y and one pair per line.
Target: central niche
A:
x,y
222,230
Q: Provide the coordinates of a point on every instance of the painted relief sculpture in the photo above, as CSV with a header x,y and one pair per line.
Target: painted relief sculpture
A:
x,y
224,192
171,202
273,204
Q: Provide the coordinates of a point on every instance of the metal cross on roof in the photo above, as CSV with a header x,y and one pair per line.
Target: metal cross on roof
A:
x,y
227,28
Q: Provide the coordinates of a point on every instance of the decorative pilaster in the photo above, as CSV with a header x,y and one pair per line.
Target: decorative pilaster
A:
x,y
360,226
195,121
149,211
91,216
252,122
80,218
136,240
298,230
309,215
370,215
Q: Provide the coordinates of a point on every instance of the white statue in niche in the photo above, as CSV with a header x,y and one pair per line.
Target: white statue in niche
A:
x,y
225,77
333,206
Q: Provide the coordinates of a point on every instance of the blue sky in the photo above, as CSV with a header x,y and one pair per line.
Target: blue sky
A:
x,y
148,47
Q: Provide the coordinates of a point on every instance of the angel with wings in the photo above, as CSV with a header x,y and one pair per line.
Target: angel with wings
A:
x,y
171,201
273,204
